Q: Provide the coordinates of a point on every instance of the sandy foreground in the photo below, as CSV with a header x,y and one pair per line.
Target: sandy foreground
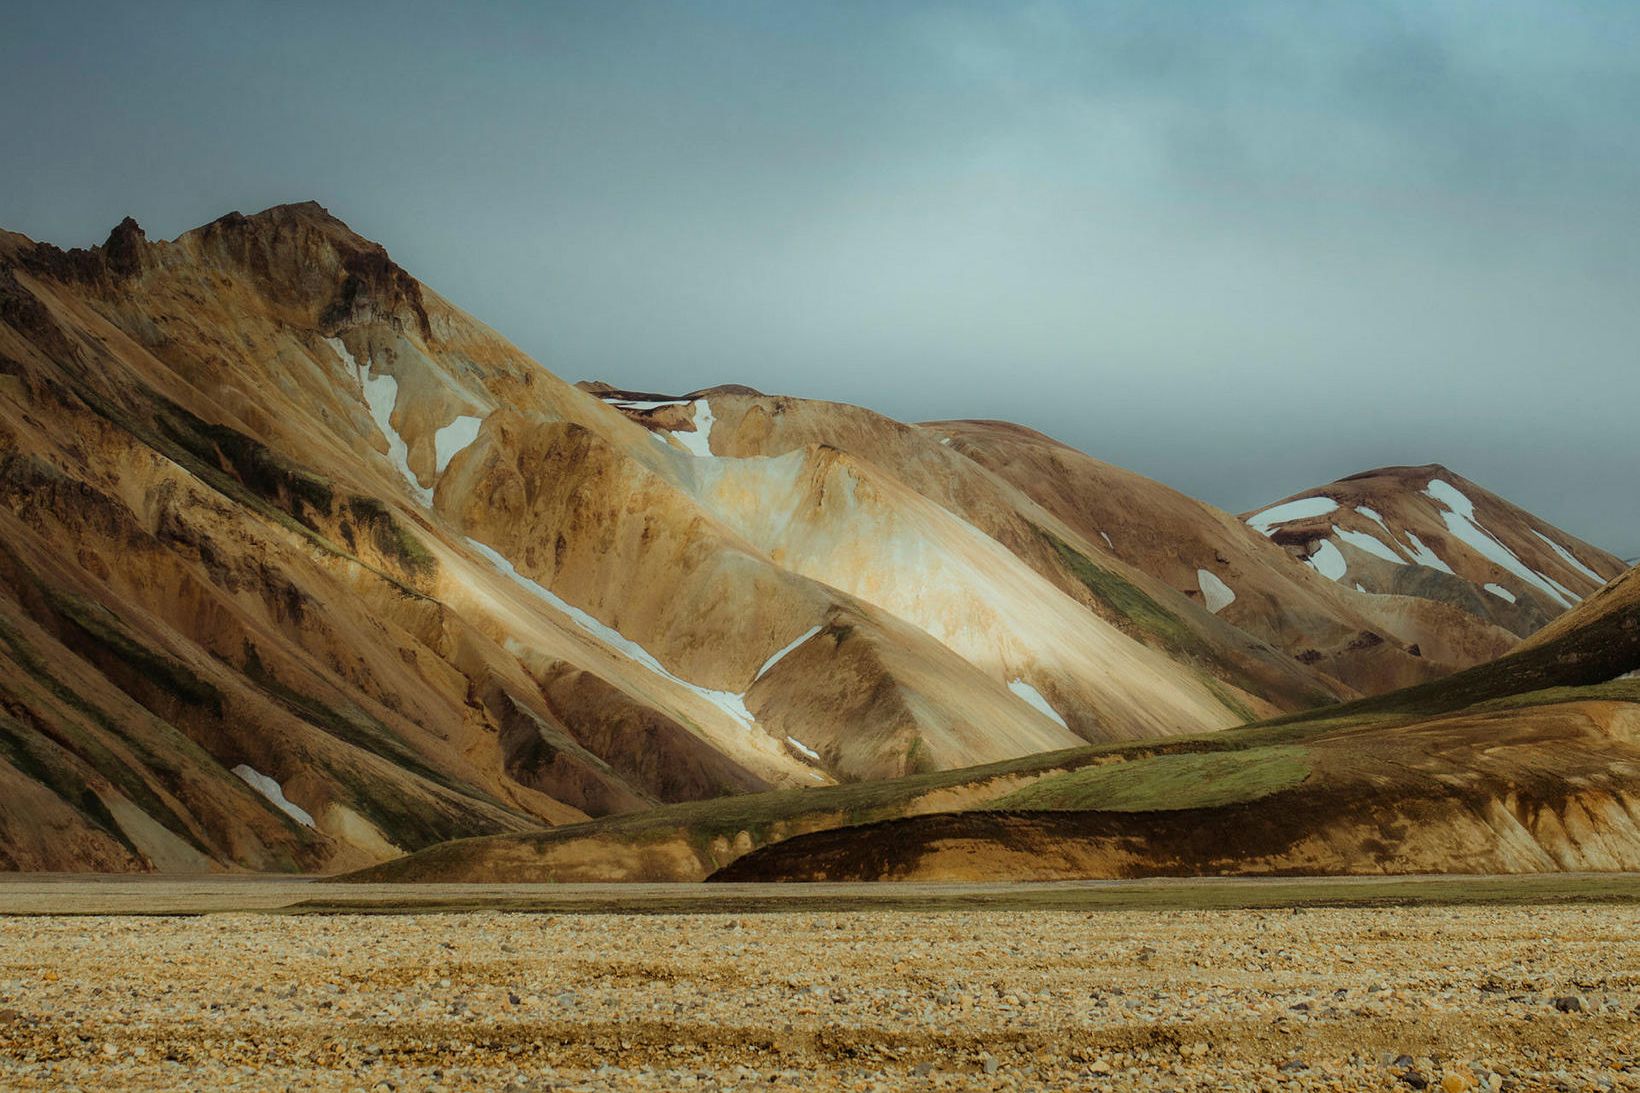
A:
x,y
1535,997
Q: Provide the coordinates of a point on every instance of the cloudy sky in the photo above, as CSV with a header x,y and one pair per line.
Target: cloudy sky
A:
x,y
1245,248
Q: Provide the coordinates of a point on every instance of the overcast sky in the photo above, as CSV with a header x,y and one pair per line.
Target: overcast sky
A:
x,y
1244,248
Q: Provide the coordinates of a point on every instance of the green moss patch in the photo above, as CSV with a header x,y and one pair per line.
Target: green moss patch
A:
x,y
105,631
391,538
1140,616
1166,782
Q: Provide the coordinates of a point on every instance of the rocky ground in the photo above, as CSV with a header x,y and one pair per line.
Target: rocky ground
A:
x,y
1521,998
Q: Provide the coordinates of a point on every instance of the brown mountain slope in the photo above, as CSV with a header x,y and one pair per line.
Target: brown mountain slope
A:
x,y
747,425
1432,534
1370,643
1599,631
301,567
1527,763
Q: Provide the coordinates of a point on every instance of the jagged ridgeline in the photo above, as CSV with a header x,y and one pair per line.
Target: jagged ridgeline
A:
x,y
302,568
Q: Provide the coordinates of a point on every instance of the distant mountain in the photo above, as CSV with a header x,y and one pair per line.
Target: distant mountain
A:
x,y
1431,533
1370,643
302,568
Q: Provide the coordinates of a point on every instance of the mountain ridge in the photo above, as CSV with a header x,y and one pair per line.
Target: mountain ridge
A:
x,y
304,568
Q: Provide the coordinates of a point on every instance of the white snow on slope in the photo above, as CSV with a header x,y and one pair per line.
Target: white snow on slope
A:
x,y
381,394
699,442
802,747
1034,697
630,404
452,438
1328,561
1500,592
1459,518
1265,522
274,792
788,647
1106,538
1570,559
341,350
728,701
1216,595
1422,555
1369,544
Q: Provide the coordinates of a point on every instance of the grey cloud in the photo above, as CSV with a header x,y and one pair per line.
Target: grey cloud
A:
x,y
1242,247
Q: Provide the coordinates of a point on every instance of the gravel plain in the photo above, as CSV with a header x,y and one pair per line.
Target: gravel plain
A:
x,y
1443,998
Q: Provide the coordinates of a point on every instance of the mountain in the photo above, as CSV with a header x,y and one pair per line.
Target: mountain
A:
x,y
303,568
1529,763
749,428
1432,534
1370,643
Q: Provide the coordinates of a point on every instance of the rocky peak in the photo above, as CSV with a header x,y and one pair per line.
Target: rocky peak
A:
x,y
302,254
125,247
121,255
1421,473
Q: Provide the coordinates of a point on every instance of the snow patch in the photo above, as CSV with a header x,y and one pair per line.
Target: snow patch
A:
x,y
804,748
1305,507
634,404
345,354
729,702
1106,538
1459,518
1215,593
1500,592
1328,561
452,438
1369,544
274,792
699,442
1422,555
787,648
1570,559
381,395
1034,697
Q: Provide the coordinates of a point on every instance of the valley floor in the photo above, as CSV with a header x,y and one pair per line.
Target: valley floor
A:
x,y
1534,995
